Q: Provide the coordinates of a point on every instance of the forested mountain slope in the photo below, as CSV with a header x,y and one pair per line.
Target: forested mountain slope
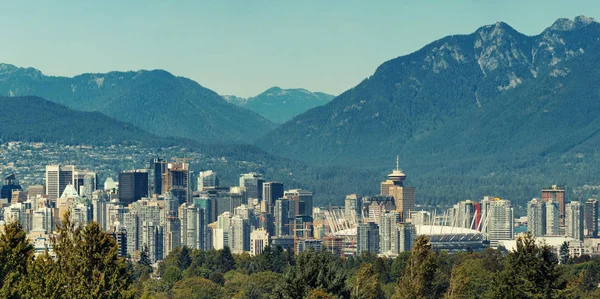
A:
x,y
155,101
494,111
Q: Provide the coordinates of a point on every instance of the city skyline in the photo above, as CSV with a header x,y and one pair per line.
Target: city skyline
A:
x,y
237,48
140,161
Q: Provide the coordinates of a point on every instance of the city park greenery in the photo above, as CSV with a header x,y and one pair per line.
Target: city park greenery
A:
x,y
85,264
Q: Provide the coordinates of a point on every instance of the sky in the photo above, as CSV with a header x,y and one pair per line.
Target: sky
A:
x,y
244,47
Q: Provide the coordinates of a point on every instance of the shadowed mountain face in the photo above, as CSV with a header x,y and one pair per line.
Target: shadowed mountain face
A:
x,y
37,120
467,108
280,105
155,101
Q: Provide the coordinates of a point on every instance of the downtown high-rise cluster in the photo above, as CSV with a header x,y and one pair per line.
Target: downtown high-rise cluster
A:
x,y
166,205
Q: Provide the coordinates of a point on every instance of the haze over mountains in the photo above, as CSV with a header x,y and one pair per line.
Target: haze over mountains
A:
x,y
155,101
280,105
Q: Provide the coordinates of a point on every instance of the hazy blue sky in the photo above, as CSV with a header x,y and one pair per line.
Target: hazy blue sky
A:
x,y
244,47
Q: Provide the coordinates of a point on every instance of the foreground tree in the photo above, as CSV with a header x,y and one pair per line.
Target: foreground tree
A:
x,y
418,276
88,262
366,284
469,279
16,254
314,270
42,280
531,271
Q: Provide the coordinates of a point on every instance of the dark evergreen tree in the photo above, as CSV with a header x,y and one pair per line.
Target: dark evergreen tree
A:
x,y
91,253
145,258
531,271
226,260
16,254
43,279
314,270
564,253
184,260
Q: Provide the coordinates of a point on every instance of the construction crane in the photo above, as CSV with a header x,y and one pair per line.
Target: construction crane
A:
x,y
306,226
183,160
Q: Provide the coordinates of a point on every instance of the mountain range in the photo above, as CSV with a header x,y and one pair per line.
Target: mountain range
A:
x,y
494,112
34,119
484,112
156,101
280,105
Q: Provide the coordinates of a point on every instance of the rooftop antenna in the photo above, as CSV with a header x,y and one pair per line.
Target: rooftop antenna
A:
x,y
397,163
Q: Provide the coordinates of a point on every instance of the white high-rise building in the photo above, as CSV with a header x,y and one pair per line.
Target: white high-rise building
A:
x,y
132,226
19,212
43,220
152,240
252,183
57,179
239,240
351,207
81,213
501,221
574,220
536,217
182,214
172,235
259,239
221,231
114,214
207,180
244,211
552,217
196,228
406,234
388,231
99,210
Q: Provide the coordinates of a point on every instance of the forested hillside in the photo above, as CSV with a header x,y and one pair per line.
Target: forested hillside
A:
x,y
493,112
155,101
37,120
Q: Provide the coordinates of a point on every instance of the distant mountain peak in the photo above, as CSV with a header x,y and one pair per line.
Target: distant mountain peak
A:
x,y
498,29
274,88
566,24
7,69
280,105
583,20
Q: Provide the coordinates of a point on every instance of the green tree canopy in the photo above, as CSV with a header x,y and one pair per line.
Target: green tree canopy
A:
x,y
366,284
418,276
15,256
